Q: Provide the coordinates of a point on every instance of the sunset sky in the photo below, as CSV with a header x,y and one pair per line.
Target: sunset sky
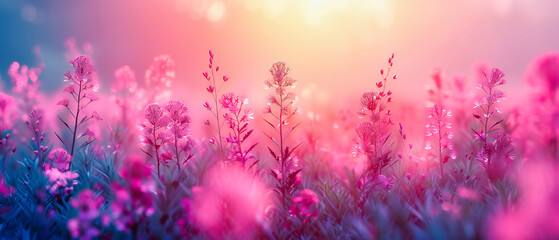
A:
x,y
335,48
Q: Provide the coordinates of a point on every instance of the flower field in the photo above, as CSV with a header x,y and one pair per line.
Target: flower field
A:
x,y
128,152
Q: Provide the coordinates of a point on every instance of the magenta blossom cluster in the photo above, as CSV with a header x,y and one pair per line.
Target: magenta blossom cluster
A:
x,y
166,131
7,114
25,82
305,205
8,111
5,191
230,204
133,201
88,205
124,86
535,127
159,78
61,179
237,117
154,132
178,129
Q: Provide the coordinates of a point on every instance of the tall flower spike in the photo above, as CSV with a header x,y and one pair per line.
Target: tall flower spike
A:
x,y
281,107
489,131
373,132
214,90
178,130
237,116
440,128
36,127
82,87
154,132
439,125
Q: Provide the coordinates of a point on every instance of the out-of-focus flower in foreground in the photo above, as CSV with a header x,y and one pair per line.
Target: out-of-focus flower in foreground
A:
x,y
229,204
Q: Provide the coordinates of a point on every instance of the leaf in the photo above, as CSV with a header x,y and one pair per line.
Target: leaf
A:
x,y
285,154
293,177
188,158
253,164
147,153
59,138
86,144
497,123
243,127
270,124
290,130
273,139
83,120
274,174
247,135
293,149
65,124
273,153
250,148
386,139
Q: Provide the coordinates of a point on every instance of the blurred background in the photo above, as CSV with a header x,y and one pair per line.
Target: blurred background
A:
x,y
335,48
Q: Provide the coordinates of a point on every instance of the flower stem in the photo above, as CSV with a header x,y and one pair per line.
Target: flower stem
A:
x,y
76,122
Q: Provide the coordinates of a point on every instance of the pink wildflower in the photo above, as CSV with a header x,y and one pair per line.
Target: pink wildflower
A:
x,y
7,111
83,85
229,204
61,159
487,135
87,204
440,127
280,80
283,104
83,66
161,73
60,182
154,134
125,80
305,205
374,131
5,190
25,84
533,215
178,129
64,102
133,201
